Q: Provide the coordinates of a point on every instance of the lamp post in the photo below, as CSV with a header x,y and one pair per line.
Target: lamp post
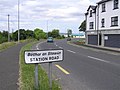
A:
x,y
47,28
8,28
18,20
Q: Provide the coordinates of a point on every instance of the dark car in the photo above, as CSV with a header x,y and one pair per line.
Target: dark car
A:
x,y
68,39
50,39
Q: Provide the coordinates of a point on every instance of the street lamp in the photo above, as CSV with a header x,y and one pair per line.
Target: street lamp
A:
x,y
18,20
47,28
8,28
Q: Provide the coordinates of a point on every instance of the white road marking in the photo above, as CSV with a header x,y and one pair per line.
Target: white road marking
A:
x,y
37,48
71,51
61,47
38,45
55,44
99,59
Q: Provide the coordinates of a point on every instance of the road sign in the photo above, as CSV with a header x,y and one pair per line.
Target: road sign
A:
x,y
43,56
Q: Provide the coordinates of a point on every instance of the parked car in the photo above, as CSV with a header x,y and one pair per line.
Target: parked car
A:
x,y
50,39
68,39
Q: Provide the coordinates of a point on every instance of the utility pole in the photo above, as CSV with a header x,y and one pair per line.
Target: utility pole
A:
x,y
8,28
18,21
47,28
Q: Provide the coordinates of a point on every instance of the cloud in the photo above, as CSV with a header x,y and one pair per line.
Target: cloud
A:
x,y
37,11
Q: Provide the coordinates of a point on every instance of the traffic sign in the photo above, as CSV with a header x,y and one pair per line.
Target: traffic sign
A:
x,y
43,56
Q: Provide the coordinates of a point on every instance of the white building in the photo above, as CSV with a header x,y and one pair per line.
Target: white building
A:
x,y
103,24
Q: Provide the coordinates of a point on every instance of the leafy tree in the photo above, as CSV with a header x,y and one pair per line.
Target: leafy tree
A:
x,y
39,34
69,32
29,34
82,27
55,33
5,34
49,34
22,35
1,36
15,36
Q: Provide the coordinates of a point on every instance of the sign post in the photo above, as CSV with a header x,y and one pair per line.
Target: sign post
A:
x,y
50,75
36,76
43,56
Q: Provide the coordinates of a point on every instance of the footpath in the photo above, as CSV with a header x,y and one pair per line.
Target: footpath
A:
x,y
104,48
99,47
9,67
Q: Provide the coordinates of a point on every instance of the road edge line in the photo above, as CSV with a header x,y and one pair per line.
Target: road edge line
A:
x,y
63,70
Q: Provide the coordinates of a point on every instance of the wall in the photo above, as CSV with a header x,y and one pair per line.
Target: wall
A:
x,y
90,19
108,14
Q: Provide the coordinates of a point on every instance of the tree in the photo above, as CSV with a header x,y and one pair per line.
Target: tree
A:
x,y
4,36
69,32
29,34
22,35
82,27
39,34
15,35
55,33
49,34
1,36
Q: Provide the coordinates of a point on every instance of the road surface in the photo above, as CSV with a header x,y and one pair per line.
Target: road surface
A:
x,y
9,68
85,68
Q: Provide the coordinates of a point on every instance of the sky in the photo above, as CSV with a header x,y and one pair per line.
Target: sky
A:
x,y
54,14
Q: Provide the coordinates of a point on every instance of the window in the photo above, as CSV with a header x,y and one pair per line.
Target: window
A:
x,y
91,25
103,7
114,21
103,22
90,13
115,4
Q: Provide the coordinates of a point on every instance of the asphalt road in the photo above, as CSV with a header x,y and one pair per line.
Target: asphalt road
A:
x,y
89,69
9,68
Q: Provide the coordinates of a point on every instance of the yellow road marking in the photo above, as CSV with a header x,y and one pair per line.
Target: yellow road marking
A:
x,y
63,70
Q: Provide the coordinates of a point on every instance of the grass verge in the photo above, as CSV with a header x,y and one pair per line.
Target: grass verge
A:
x,y
6,45
81,41
26,80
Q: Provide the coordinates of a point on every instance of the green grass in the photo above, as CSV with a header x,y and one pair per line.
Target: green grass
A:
x,y
81,41
6,45
26,79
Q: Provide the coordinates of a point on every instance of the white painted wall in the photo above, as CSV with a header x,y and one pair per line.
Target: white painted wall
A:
x,y
108,14
90,19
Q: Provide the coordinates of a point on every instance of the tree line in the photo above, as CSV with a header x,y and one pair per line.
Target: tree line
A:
x,y
36,33
29,34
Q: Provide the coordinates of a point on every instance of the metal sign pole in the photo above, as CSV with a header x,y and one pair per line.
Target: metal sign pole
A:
x,y
36,76
50,75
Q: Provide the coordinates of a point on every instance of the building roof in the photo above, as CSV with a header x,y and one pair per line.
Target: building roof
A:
x,y
102,1
91,6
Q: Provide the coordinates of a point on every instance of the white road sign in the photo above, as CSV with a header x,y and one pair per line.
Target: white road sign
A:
x,y
43,56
